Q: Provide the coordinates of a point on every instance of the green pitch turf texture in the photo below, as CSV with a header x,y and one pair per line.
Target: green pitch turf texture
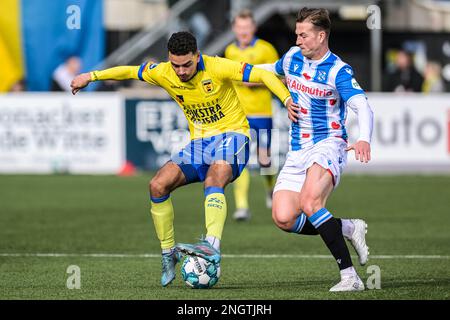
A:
x,y
79,215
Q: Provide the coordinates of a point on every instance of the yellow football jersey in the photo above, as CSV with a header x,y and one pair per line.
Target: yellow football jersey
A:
x,y
209,100
257,101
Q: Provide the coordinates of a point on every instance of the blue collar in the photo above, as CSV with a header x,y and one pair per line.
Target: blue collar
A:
x,y
251,44
201,63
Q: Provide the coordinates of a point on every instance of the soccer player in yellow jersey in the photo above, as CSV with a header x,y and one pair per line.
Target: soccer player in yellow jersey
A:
x,y
256,100
218,152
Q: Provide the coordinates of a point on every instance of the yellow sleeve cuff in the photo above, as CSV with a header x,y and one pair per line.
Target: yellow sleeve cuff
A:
x,y
286,100
94,76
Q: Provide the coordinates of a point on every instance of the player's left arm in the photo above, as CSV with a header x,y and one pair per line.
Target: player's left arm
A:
x,y
244,72
247,73
355,99
270,56
272,83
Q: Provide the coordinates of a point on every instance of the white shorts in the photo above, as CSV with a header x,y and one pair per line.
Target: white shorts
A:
x,y
329,153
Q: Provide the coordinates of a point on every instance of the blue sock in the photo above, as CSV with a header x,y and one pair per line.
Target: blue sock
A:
x,y
299,223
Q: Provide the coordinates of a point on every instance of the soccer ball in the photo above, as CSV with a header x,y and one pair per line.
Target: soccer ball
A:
x,y
199,273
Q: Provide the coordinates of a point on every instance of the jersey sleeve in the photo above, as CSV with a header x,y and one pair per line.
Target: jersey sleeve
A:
x,y
149,72
142,72
362,109
346,84
227,69
279,66
271,81
245,72
116,73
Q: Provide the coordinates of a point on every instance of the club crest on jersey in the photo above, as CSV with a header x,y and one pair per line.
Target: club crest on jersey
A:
x,y
321,75
208,86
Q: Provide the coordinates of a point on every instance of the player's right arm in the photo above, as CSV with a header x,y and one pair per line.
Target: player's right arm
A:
x,y
116,73
267,66
277,68
246,73
355,98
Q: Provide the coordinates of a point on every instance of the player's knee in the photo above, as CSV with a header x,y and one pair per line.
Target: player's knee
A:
x,y
264,160
282,221
310,204
266,163
215,182
219,175
157,188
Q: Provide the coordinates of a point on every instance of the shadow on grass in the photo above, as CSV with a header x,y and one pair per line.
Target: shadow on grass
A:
x,y
415,283
279,285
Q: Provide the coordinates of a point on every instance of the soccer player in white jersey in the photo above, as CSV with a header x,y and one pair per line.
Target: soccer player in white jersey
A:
x,y
322,86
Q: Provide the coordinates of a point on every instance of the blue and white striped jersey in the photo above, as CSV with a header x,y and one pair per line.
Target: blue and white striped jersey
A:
x,y
322,89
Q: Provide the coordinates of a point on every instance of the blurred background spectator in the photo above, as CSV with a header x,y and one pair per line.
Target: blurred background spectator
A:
x,y
36,37
405,77
19,86
432,78
64,74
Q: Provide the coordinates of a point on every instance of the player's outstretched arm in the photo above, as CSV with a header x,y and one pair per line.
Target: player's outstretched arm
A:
x,y
272,83
247,73
117,73
267,66
278,88
266,73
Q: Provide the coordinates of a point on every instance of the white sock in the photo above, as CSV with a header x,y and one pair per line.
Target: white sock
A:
x,y
164,251
215,242
348,272
347,228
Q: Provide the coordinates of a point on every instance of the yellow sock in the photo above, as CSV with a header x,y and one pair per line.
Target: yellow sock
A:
x,y
215,211
269,182
162,214
241,186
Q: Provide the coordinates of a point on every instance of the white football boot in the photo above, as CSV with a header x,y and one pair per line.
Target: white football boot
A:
x,y
349,283
241,215
269,200
358,240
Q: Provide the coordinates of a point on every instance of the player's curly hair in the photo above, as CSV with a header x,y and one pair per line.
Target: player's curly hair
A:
x,y
320,18
182,43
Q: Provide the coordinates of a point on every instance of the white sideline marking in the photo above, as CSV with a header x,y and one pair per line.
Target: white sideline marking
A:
x,y
238,256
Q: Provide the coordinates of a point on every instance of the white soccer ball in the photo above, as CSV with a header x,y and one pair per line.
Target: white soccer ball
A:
x,y
199,273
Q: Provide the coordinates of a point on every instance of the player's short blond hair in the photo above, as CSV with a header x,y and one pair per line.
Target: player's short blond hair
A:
x,y
244,14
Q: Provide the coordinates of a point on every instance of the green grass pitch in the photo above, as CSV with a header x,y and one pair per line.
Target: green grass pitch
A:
x,y
409,239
